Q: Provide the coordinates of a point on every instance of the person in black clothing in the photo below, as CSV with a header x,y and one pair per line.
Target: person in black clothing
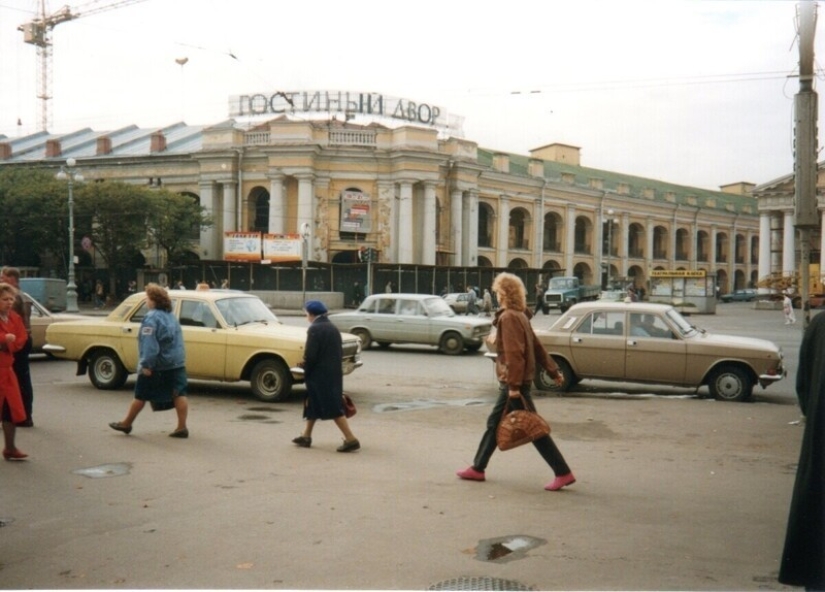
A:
x,y
323,357
803,558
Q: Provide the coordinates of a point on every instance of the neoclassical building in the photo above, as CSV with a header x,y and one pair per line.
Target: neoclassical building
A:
x,y
419,198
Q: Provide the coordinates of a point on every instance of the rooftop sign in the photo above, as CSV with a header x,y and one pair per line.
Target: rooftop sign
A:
x,y
349,103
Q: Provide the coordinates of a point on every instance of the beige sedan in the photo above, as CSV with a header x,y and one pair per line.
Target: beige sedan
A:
x,y
229,336
41,318
653,343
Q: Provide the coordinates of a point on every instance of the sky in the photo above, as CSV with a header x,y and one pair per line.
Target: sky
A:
x,y
698,93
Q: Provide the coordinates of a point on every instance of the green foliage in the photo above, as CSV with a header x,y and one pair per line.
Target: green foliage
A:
x,y
175,225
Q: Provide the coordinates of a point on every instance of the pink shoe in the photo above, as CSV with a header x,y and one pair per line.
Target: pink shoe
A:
x,y
471,474
561,481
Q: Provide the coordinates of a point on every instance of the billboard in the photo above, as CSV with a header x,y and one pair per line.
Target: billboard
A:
x,y
355,212
242,246
282,247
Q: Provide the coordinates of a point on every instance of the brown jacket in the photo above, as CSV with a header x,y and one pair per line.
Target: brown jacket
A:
x,y
518,349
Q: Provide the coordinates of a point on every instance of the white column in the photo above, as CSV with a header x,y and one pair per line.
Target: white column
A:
x,y
387,222
456,223
822,240
277,207
230,198
671,247
429,238
502,242
570,239
788,232
538,233
764,268
469,247
624,243
405,223
649,242
211,237
305,211
713,250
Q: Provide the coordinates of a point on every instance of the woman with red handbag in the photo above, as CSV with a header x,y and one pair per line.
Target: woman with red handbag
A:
x,y
323,355
518,351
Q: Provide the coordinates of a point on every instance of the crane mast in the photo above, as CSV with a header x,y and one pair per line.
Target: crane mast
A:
x,y
38,32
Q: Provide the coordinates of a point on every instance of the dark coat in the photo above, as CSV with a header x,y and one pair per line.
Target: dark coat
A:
x,y
323,358
803,560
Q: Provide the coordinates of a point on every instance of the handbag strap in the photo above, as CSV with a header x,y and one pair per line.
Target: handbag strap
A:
x,y
524,404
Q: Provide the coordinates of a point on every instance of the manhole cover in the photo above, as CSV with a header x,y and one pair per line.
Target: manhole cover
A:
x,y
479,583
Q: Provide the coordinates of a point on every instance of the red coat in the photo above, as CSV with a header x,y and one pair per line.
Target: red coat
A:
x,y
9,389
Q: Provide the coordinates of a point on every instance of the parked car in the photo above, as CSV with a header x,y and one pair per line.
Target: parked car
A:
x,y
457,301
747,295
229,336
652,343
413,318
41,318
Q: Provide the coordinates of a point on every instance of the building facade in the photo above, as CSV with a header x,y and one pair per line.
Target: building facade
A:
x,y
415,197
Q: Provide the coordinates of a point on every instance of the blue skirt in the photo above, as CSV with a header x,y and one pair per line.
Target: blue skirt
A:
x,y
163,385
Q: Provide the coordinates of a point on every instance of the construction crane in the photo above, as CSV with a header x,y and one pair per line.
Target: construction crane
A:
x,y
38,32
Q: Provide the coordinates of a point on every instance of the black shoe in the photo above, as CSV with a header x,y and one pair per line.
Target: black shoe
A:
x,y
184,433
116,425
350,446
25,424
302,441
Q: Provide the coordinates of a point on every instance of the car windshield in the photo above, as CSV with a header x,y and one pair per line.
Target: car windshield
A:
x,y
685,328
244,310
438,307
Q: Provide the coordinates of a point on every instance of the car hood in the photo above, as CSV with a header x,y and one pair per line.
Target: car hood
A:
x,y
752,343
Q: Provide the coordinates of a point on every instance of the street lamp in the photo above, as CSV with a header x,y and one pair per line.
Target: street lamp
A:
x,y
610,221
305,232
71,174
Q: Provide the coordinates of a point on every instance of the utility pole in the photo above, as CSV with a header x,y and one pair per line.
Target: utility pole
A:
x,y
806,213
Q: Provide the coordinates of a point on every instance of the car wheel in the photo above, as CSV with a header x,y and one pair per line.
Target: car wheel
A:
x,y
730,383
364,336
106,371
271,381
474,347
451,343
544,382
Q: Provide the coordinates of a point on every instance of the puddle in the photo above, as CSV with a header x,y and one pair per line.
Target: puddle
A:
x,y
503,549
109,470
427,404
265,409
252,417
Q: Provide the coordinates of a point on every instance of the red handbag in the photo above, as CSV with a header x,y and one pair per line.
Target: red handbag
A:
x,y
349,406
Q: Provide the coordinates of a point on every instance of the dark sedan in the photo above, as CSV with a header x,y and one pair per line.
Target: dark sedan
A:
x,y
740,296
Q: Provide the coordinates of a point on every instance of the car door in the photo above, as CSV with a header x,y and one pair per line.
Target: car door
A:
x,y
659,356
597,345
204,339
412,325
382,322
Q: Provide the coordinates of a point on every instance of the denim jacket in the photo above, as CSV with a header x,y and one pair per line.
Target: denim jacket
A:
x,y
160,342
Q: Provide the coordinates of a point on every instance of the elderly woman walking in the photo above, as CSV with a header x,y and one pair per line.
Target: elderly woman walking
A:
x,y
13,337
518,351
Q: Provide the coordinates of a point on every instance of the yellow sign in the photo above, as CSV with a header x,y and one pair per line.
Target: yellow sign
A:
x,y
677,273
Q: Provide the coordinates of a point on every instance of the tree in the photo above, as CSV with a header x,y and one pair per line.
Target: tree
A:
x,y
114,215
35,216
175,224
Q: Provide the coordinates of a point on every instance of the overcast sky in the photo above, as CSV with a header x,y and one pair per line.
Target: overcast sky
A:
x,y
693,92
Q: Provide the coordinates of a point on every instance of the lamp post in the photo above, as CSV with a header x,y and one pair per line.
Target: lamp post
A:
x,y
71,174
304,257
610,221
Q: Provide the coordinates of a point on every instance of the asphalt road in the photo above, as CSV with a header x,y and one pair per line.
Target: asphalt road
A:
x,y
673,492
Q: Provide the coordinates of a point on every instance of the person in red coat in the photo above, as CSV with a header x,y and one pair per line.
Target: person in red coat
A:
x,y
13,337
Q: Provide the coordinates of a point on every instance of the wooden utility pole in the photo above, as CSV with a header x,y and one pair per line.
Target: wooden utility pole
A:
x,y
805,151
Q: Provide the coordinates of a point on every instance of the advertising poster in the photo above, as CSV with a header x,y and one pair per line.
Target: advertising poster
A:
x,y
242,246
355,212
282,247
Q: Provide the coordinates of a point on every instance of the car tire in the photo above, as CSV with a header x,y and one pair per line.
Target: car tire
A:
x,y
474,347
730,383
544,382
451,343
271,381
364,336
106,371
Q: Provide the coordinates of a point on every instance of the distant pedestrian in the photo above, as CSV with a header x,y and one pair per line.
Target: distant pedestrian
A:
x,y
100,295
487,303
539,291
787,309
388,288
224,284
803,557
357,294
472,307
